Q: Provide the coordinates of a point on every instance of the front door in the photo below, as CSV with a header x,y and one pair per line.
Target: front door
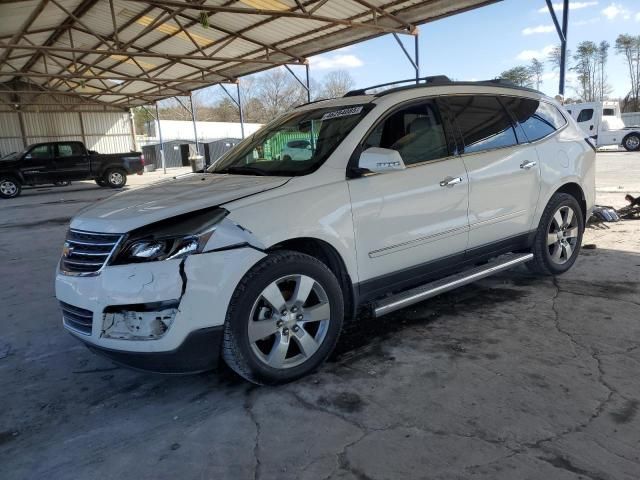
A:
x,y
586,118
37,165
408,219
504,177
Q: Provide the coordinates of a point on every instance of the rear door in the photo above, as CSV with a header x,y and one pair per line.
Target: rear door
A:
x,y
504,177
71,161
37,165
406,219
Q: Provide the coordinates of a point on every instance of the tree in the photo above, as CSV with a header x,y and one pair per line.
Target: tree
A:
x,y
555,55
519,75
586,67
536,70
336,84
603,56
279,92
629,46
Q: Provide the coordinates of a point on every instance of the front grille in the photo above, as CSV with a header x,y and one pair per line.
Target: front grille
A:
x,y
76,318
87,252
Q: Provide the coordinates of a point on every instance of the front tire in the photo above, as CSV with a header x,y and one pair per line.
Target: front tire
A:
x,y
101,182
284,319
631,143
9,187
115,178
559,236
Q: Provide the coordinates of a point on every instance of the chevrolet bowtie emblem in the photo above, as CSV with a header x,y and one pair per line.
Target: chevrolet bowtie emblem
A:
x,y
67,250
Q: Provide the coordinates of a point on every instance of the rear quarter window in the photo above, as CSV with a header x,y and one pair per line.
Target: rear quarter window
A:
x,y
537,119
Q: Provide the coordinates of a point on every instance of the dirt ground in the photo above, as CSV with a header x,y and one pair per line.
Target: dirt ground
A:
x,y
515,377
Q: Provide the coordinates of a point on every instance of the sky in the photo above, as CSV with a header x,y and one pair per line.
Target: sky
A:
x,y
482,43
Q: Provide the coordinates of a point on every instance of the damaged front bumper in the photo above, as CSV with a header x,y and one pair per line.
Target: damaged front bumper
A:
x,y
164,316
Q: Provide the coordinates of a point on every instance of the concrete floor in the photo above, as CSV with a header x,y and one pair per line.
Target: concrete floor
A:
x,y
513,378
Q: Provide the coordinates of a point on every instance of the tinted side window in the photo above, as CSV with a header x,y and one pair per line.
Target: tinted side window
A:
x,y
41,151
482,121
585,115
69,149
538,119
415,131
609,112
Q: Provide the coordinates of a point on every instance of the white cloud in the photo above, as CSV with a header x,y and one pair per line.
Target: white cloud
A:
x,y
541,54
538,29
572,6
328,62
638,17
589,21
614,10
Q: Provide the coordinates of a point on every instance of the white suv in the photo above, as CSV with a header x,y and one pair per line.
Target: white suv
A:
x,y
262,259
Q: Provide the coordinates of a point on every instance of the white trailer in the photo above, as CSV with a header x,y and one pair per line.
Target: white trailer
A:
x,y
602,122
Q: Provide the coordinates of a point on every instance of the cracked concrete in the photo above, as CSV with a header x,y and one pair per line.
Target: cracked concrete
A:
x,y
515,377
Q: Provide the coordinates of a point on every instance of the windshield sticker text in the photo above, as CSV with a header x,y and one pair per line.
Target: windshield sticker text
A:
x,y
342,113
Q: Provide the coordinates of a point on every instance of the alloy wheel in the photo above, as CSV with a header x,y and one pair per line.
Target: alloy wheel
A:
x,y
289,321
115,178
8,188
562,236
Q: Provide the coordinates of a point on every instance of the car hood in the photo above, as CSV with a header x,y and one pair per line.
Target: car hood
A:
x,y
128,210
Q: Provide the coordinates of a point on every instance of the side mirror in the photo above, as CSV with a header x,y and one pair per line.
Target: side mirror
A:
x,y
380,160
28,156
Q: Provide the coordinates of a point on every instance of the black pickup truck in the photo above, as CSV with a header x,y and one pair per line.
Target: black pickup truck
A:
x,y
63,162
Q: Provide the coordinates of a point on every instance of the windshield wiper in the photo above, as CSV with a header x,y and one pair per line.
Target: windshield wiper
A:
x,y
243,170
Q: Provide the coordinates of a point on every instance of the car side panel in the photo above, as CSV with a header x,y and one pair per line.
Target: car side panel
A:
x,y
301,209
565,158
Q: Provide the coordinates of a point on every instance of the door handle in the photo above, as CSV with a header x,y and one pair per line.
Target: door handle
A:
x,y
528,164
450,181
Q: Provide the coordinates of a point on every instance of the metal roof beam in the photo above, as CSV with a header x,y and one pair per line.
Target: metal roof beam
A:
x,y
275,13
35,13
149,54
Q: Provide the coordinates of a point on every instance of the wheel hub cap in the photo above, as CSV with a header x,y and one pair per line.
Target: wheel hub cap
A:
x,y
8,188
289,321
562,237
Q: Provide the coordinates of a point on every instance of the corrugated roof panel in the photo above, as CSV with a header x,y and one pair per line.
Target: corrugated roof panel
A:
x,y
301,37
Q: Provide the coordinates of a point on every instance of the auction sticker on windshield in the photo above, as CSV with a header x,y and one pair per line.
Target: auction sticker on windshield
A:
x,y
345,112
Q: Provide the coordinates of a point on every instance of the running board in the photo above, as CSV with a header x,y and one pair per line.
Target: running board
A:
x,y
423,292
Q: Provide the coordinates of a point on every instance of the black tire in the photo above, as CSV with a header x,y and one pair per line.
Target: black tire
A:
x,y
101,182
546,260
243,355
10,187
286,158
631,142
115,178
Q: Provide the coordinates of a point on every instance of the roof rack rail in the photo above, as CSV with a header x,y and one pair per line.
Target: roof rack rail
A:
x,y
435,79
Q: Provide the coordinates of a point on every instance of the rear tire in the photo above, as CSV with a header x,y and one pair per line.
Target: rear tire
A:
x,y
284,319
115,178
9,187
631,143
558,237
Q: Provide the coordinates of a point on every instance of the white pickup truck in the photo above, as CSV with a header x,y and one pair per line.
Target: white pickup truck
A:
x,y
602,122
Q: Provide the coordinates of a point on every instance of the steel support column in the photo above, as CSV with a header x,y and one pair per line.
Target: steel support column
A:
x,y
562,34
164,166
193,119
305,85
238,101
415,62
240,109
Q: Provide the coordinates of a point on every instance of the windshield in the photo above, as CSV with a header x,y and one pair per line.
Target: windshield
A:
x,y
296,144
11,156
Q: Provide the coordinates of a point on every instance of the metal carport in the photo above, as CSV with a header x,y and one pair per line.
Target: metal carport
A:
x,y
124,53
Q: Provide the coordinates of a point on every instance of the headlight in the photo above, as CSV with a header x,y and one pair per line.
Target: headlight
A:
x,y
170,239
